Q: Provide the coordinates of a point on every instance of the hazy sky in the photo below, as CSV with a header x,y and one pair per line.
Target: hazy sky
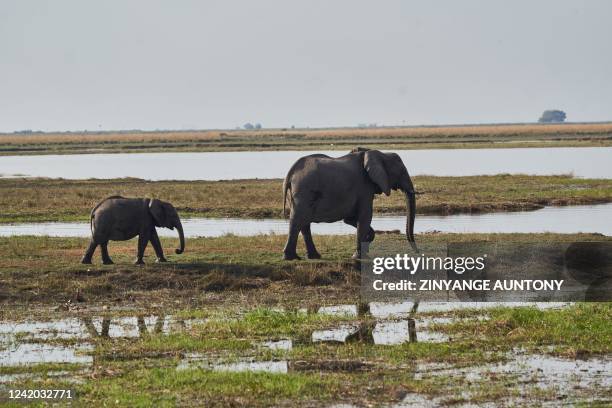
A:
x,y
125,64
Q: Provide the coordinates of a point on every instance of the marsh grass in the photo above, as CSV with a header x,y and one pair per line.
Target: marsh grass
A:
x,y
33,200
169,387
45,269
576,332
142,371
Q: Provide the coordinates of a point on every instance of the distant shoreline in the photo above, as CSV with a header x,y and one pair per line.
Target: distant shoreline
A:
x,y
396,138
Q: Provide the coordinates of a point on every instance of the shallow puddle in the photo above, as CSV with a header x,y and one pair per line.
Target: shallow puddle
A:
x,y
383,310
278,344
340,310
199,361
432,307
38,353
66,376
24,343
393,332
567,377
338,334
385,332
56,329
254,366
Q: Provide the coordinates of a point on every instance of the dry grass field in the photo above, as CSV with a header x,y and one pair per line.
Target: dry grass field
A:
x,y
512,135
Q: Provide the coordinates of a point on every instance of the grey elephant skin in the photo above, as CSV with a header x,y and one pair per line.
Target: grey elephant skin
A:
x,y
326,189
118,218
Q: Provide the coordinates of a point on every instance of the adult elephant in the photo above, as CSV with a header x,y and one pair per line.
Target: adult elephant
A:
x,y
118,218
326,189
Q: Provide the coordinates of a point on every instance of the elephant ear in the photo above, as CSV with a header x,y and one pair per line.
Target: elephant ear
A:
x,y
158,212
373,163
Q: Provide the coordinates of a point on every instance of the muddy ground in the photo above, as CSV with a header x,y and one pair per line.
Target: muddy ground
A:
x,y
230,324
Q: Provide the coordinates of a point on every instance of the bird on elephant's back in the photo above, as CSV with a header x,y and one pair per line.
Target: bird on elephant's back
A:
x,y
118,218
326,189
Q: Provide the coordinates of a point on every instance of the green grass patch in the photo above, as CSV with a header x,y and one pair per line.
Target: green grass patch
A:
x,y
583,328
169,387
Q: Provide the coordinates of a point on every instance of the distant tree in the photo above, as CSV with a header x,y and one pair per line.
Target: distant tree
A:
x,y
248,126
258,126
552,116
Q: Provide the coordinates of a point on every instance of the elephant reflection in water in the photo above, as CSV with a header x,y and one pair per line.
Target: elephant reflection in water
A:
x,y
143,330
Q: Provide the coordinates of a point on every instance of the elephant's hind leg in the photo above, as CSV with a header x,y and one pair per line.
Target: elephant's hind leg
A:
x,y
290,253
89,253
310,247
106,260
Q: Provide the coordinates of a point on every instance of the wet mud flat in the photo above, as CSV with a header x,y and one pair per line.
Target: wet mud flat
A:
x,y
389,354
229,323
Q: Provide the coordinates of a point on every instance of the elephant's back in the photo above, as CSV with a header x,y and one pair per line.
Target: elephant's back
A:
x,y
106,203
307,163
323,173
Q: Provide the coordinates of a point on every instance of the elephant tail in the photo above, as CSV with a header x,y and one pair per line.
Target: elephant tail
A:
x,y
91,222
286,186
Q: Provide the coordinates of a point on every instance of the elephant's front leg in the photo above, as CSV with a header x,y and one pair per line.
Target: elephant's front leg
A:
x,y
353,222
143,239
159,252
364,221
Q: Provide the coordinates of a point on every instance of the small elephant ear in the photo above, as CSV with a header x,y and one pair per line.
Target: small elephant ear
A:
x,y
156,208
375,167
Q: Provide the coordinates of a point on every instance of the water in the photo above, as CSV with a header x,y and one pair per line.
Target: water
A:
x,y
337,334
284,344
571,382
590,162
436,307
37,353
542,371
384,310
563,220
201,361
24,343
340,310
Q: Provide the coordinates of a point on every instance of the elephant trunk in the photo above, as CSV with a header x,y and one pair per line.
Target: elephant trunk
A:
x,y
179,228
408,189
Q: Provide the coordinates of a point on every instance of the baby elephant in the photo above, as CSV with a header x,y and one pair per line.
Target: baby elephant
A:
x,y
119,219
